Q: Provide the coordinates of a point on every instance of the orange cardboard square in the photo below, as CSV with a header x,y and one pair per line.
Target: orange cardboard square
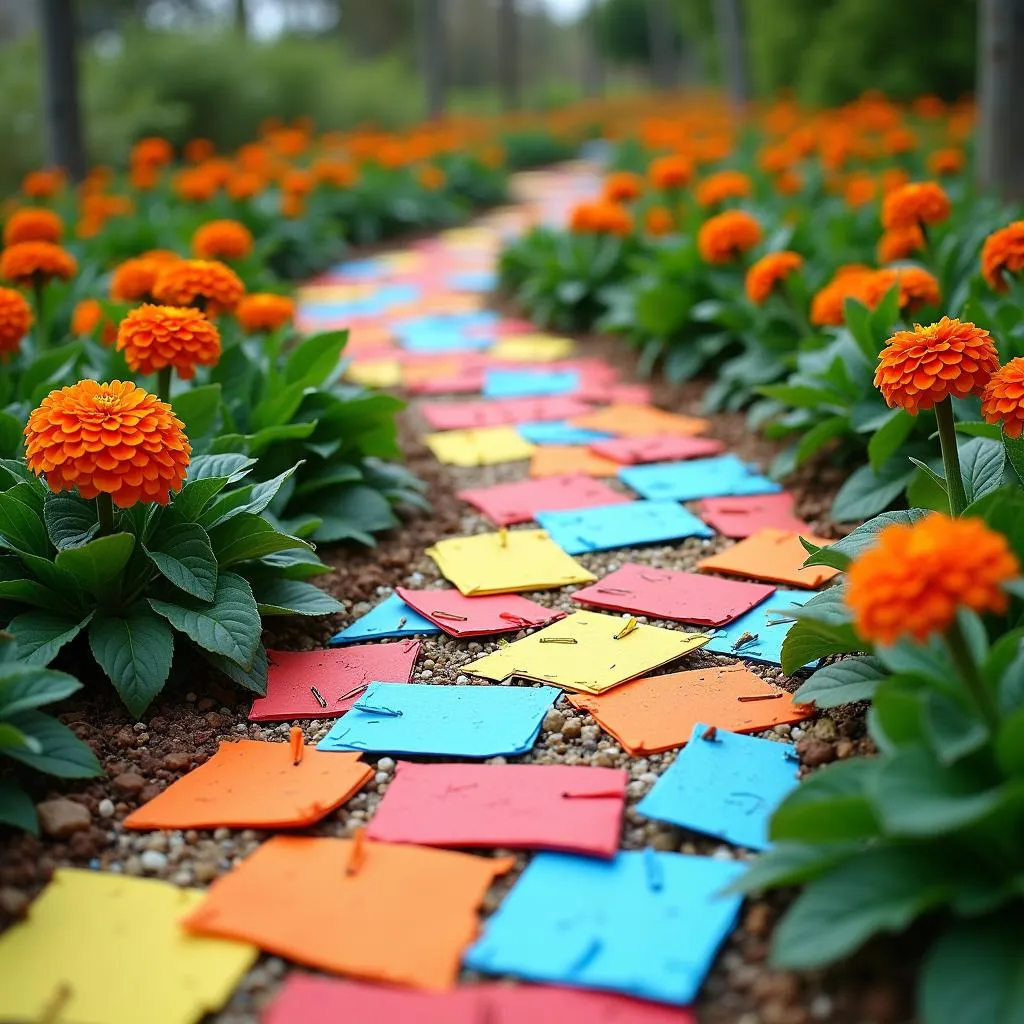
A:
x,y
773,555
566,460
626,420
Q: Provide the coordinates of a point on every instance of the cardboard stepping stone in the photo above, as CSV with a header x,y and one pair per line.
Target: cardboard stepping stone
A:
x,y
518,806
458,615
521,500
443,721
592,943
626,419
741,517
338,676
758,634
392,619
375,373
485,446
697,478
530,383
379,911
558,432
676,596
588,652
621,525
563,460
660,448
253,784
615,394
773,555
724,785
658,713
504,412
533,348
103,947
500,563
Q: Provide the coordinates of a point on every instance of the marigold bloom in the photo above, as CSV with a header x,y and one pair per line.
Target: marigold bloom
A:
x,y
298,182
622,186
601,217
222,240
946,161
152,152
913,581
828,305
917,287
33,224
293,205
43,184
432,177
206,284
111,439
919,368
155,337
15,319
144,177
264,311
670,172
29,262
859,190
898,245
1002,401
133,280
728,235
245,184
788,183
198,150
336,173
717,188
658,221
195,185
893,178
770,271
88,316
915,204
1003,253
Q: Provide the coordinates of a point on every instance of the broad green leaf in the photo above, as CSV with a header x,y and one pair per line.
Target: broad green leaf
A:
x,y
189,502
978,428
831,805
20,525
929,660
98,562
888,438
293,564
182,553
49,367
12,738
10,434
866,493
842,682
1013,448
265,491
70,521
277,410
293,597
41,635
246,536
16,808
23,687
34,593
843,551
1010,744
228,464
927,492
784,864
63,753
198,409
315,360
981,462
896,716
351,513
135,651
819,435
951,729
253,678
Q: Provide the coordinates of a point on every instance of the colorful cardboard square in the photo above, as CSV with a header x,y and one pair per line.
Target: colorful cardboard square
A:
x,y
521,500
697,478
743,516
587,652
528,348
458,615
375,373
254,784
605,527
758,635
625,419
102,947
443,721
725,785
570,808
570,460
338,676
392,619
592,943
610,393
506,562
558,432
483,446
380,911
676,596
657,713
530,383
503,412
773,555
632,451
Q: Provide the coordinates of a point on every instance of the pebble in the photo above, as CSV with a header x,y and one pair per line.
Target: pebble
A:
x,y
572,730
128,783
153,861
386,764
814,752
13,902
62,818
553,721
824,729
105,809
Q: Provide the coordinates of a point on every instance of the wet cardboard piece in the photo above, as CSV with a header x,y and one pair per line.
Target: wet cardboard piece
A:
x,y
697,478
659,448
570,460
758,635
521,500
458,615
484,446
773,555
743,516
392,619
632,524
626,419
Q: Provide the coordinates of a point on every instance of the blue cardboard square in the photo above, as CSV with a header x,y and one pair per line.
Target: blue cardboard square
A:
x,y
673,900
391,619
443,721
758,634
622,525
559,432
725,786
724,476
530,383
472,281
443,339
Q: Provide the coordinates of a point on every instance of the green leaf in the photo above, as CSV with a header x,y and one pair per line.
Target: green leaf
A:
x,y
49,367
1014,450
10,434
41,635
293,597
866,493
23,687
1010,744
351,513
927,491
16,808
832,805
842,682
135,651
278,409
247,536
63,754
182,553
858,322
785,864
842,552
12,738
978,428
953,731
70,521
34,593
896,716
888,438
253,678
819,435
20,525
198,408
190,501
981,462
229,464
98,562
315,360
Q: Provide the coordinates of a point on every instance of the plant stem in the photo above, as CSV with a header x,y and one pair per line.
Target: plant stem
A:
x,y
105,512
163,384
42,326
951,457
978,689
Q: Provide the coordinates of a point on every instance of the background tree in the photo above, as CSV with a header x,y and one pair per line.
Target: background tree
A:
x,y
432,54
1001,97
60,86
508,54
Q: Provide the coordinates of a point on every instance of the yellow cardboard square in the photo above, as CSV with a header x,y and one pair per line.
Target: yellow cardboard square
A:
x,y
479,446
529,348
375,373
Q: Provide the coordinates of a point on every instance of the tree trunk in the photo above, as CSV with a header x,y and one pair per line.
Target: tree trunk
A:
x,y
660,35
241,19
508,54
732,41
60,86
593,66
1001,97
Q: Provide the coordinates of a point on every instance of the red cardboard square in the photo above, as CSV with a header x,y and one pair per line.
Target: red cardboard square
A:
x,y
491,413
459,615
559,807
740,517
616,394
673,595
659,448
338,675
519,501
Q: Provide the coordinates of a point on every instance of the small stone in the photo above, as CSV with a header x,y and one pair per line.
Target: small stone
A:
x,y
128,783
572,729
783,730
205,871
13,902
386,764
553,721
153,861
62,818
814,752
220,834
179,761
844,749
206,704
106,808
777,986
183,877
824,729
758,919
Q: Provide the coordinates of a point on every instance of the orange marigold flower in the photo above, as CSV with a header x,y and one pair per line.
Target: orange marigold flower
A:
x,y
33,225
1003,253
431,177
111,439
28,262
43,184
245,184
912,205
206,284
898,245
152,152
336,173
144,177
154,337
669,172
947,161
658,221
859,190
622,186
15,319
293,205
196,185
899,140
298,182
88,316
893,178
724,237
717,188
913,581
222,240
917,287
770,271
788,183
601,217
264,311
920,368
133,280
198,150
1002,401
828,305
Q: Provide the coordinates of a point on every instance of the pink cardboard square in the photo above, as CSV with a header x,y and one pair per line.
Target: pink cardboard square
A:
x,y
459,615
520,500
740,517
463,415
659,448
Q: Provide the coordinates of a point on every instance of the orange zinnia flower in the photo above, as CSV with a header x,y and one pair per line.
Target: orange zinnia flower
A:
x,y
222,240
946,161
670,172
205,284
1003,253
658,221
913,581
828,305
622,186
245,184
919,368
195,185
770,271
724,237
31,262
264,311
87,316
293,205
859,190
33,225
111,439
198,150
917,288
337,173
601,217
43,184
299,182
898,245
1002,401
15,319
717,188
152,152
154,337
133,280
788,183
431,177
915,204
